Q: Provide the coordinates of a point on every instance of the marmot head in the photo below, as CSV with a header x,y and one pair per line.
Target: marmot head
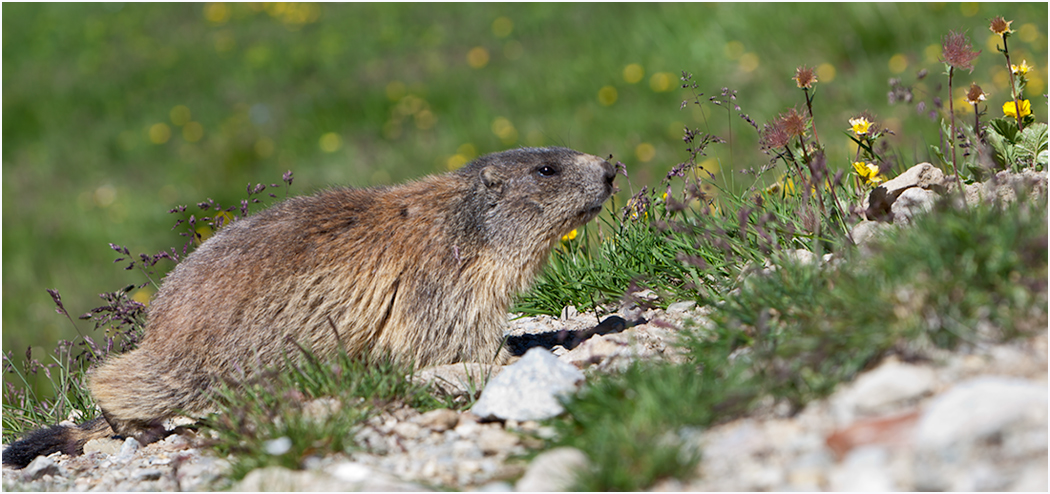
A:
x,y
533,196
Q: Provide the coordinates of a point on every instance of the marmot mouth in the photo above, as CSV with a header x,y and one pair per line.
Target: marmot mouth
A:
x,y
590,213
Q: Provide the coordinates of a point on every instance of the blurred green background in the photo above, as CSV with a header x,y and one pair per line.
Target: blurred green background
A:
x,y
113,114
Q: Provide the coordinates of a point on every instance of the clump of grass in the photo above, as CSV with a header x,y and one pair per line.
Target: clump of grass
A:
x,y
122,320
691,238
792,334
309,408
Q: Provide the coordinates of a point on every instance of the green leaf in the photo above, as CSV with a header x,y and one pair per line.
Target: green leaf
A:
x,y
936,151
1033,141
1005,127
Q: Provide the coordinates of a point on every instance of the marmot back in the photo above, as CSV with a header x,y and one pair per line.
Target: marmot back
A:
x,y
423,272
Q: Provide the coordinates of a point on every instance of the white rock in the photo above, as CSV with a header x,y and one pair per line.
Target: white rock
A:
x,y
495,440
923,176
344,478
439,420
646,295
593,350
864,469
319,410
498,486
910,203
277,447
553,471
889,384
869,230
529,389
147,474
1032,479
802,256
407,430
352,472
128,449
977,409
40,466
105,445
684,306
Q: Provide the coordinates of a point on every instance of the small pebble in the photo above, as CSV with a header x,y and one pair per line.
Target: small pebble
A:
x,y
277,447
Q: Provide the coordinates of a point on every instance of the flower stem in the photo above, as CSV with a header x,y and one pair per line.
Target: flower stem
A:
x,y
1013,84
812,121
976,121
951,115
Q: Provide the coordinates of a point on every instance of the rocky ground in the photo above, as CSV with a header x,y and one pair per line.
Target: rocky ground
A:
x,y
967,420
972,419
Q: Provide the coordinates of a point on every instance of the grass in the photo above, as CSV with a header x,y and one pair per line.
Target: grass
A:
x,y
314,406
956,277
276,87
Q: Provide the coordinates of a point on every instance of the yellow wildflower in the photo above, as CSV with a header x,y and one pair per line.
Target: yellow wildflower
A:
x,y
860,125
783,185
569,236
869,172
1010,110
1020,69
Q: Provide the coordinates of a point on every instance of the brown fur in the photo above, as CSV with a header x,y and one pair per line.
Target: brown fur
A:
x,y
424,272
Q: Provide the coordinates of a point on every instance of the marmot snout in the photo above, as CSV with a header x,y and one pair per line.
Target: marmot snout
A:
x,y
423,272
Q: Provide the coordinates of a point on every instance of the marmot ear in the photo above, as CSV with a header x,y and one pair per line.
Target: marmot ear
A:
x,y
492,177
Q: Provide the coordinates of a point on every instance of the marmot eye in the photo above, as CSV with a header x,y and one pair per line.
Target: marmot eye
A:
x,y
547,171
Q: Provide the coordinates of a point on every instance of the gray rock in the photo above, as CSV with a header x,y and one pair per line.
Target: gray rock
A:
x,y
495,440
39,467
977,435
278,446
865,469
553,471
1032,479
684,306
977,409
868,230
911,202
128,449
887,385
1005,187
802,256
498,486
198,474
106,445
923,176
319,410
347,476
147,474
529,389
595,349
408,430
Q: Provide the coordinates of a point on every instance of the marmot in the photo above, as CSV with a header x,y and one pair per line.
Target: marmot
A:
x,y
423,272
